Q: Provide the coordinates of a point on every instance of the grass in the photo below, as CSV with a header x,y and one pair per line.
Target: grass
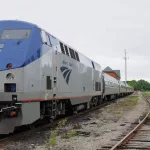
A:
x,y
69,134
72,133
130,102
148,117
147,93
77,126
52,140
117,108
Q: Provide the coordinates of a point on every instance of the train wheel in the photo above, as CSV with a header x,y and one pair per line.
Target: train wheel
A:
x,y
100,100
51,120
31,126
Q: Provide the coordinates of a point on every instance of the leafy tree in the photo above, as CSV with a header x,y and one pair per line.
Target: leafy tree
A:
x,y
140,85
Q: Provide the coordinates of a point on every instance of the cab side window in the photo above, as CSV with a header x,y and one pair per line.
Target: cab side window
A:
x,y
45,38
48,40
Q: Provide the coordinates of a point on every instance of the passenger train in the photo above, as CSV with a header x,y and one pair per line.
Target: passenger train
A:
x,y
43,77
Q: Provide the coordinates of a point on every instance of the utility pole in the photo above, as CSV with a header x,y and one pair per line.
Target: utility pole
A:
x,y
125,66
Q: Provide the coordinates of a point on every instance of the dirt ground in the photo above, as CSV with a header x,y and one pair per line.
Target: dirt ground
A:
x,y
92,131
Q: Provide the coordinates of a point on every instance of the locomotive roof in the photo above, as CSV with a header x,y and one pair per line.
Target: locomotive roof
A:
x,y
19,21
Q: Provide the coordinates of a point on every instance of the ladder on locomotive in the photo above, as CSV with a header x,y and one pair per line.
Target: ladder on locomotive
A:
x,y
53,108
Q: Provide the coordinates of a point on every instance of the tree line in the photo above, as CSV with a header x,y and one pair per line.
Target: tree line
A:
x,y
141,85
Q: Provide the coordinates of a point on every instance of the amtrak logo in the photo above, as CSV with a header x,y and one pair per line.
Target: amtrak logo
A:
x,y
66,73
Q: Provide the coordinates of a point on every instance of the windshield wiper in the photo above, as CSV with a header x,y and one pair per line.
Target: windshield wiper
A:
x,y
24,37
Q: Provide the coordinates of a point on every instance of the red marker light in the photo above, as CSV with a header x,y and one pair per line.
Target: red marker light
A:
x,y
13,113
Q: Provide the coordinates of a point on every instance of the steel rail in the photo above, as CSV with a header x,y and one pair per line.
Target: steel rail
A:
x,y
126,138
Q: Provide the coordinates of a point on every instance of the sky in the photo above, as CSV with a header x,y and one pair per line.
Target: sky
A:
x,y
100,29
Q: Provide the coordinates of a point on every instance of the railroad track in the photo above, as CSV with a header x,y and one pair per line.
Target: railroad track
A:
x,y
14,136
137,137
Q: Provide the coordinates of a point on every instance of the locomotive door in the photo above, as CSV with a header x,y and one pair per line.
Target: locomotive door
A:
x,y
55,72
103,85
54,65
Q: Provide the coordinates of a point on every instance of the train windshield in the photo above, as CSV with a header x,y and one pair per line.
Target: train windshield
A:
x,y
15,34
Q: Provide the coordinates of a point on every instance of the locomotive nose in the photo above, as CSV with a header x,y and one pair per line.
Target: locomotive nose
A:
x,y
11,84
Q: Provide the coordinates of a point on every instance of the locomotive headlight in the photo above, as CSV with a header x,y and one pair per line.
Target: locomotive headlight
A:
x,y
9,76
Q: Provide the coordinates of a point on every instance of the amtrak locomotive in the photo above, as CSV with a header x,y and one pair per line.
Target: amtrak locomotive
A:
x,y
42,77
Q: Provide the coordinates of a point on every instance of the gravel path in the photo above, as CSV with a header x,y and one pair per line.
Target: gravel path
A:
x,y
92,131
